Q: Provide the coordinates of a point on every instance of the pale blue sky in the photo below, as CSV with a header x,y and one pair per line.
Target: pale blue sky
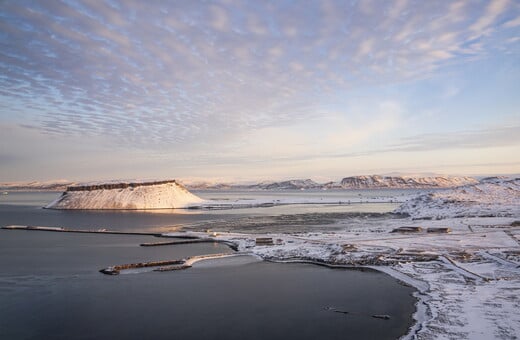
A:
x,y
247,90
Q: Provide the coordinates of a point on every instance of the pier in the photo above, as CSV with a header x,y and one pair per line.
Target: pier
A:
x,y
179,239
168,265
182,241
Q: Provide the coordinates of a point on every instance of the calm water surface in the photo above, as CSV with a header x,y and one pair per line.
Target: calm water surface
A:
x,y
50,286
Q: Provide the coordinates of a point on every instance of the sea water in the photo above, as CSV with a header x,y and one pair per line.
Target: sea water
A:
x,y
50,285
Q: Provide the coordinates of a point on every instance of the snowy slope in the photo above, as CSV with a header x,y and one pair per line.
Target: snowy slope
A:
x,y
491,197
140,195
403,182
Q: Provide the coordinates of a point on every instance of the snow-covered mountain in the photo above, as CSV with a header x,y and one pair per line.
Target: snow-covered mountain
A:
x,y
354,182
208,186
57,185
285,185
293,184
126,195
401,182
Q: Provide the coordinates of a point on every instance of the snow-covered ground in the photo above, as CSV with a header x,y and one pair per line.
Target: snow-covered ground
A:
x,y
492,197
468,280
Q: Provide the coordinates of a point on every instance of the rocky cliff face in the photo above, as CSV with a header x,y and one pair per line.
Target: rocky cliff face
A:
x,y
134,195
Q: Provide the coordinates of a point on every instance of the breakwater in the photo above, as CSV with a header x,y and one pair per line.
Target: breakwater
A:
x,y
168,265
79,231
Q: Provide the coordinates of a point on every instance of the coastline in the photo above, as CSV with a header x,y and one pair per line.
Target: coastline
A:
x,y
418,318
181,264
430,289
463,279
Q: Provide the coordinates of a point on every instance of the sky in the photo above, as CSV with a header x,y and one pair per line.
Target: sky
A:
x,y
256,90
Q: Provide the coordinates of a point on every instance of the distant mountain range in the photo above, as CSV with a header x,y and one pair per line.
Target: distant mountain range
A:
x,y
58,185
369,182
353,182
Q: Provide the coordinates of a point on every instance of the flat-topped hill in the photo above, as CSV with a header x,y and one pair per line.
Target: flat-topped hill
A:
x,y
126,195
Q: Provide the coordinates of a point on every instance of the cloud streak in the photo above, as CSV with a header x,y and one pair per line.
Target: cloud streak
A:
x,y
486,138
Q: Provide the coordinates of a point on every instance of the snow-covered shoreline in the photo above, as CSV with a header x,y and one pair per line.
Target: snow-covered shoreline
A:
x,y
450,280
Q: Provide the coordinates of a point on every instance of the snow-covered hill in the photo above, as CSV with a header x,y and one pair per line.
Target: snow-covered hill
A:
x,y
284,185
403,182
133,195
491,197
354,182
